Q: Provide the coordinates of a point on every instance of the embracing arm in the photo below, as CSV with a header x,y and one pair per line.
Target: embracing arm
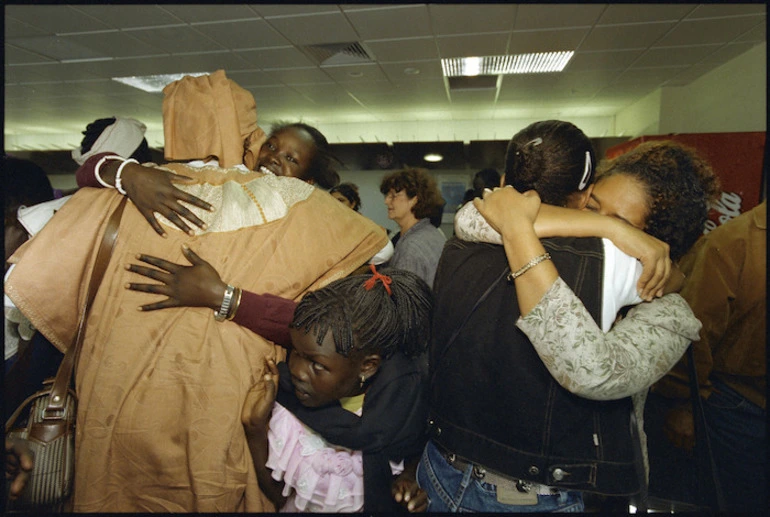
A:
x,y
638,351
658,276
255,418
199,285
150,189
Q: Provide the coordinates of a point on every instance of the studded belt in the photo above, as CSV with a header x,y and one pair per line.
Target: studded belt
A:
x,y
492,477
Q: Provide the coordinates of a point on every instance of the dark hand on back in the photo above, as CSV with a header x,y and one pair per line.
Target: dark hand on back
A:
x,y
197,285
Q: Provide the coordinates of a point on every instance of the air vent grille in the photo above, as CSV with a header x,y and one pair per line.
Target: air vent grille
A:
x,y
339,53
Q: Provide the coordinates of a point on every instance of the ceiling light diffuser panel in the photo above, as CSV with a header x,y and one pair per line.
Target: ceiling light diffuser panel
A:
x,y
536,63
153,83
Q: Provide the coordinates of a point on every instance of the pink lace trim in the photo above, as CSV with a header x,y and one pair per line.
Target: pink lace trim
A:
x,y
317,476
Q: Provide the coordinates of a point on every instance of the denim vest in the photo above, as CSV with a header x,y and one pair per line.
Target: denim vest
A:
x,y
492,400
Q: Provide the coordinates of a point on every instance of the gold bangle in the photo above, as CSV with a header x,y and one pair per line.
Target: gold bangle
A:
x,y
236,303
529,265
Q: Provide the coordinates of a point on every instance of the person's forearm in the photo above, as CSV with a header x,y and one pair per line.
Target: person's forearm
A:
x,y
556,221
85,175
267,315
522,246
258,446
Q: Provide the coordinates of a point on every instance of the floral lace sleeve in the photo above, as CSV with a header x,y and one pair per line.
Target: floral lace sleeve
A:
x,y
632,356
471,226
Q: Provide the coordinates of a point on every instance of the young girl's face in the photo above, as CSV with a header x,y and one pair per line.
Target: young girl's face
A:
x,y
288,152
319,374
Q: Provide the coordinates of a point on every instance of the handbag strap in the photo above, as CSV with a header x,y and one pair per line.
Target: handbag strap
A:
x,y
707,482
64,375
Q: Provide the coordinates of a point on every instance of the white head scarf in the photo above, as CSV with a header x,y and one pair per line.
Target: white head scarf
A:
x,y
122,138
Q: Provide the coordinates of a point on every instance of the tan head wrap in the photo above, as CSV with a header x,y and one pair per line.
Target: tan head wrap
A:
x,y
209,116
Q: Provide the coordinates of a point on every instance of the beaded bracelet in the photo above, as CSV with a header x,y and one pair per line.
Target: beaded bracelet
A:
x,y
529,265
224,309
118,179
98,176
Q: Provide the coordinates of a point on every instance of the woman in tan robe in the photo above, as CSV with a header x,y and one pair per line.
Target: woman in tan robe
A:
x,y
160,393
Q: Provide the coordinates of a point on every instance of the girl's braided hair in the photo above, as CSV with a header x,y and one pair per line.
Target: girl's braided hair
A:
x,y
370,321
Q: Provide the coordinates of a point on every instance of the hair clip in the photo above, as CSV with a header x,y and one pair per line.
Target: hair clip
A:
x,y
534,142
586,172
386,280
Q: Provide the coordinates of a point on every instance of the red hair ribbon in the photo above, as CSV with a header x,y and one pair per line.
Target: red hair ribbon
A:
x,y
386,280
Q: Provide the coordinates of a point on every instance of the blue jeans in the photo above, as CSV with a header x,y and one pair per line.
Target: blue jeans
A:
x,y
738,435
451,490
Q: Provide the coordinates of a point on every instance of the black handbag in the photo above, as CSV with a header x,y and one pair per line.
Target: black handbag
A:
x,y
49,430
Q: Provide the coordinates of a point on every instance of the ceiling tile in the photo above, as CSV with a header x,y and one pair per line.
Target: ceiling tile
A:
x,y
301,76
342,74
471,18
250,34
473,45
427,69
544,41
58,48
113,44
675,56
757,34
22,74
269,11
609,60
391,22
127,16
727,9
703,32
254,78
286,57
17,29
538,16
192,13
315,29
406,49
54,19
643,12
689,75
726,53
459,97
58,72
646,77
176,40
18,56
621,37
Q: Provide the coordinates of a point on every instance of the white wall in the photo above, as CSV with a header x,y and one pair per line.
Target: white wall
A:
x,y
731,98
641,118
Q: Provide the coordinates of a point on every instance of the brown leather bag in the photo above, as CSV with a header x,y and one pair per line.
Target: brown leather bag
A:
x,y
49,431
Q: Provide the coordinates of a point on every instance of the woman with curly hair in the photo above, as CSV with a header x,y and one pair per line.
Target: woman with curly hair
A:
x,y
661,187
412,197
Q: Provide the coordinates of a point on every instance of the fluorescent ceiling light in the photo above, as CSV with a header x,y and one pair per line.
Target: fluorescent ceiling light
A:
x,y
432,157
537,63
153,83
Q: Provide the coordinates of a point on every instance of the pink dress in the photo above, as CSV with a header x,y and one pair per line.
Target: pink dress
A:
x,y
318,477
